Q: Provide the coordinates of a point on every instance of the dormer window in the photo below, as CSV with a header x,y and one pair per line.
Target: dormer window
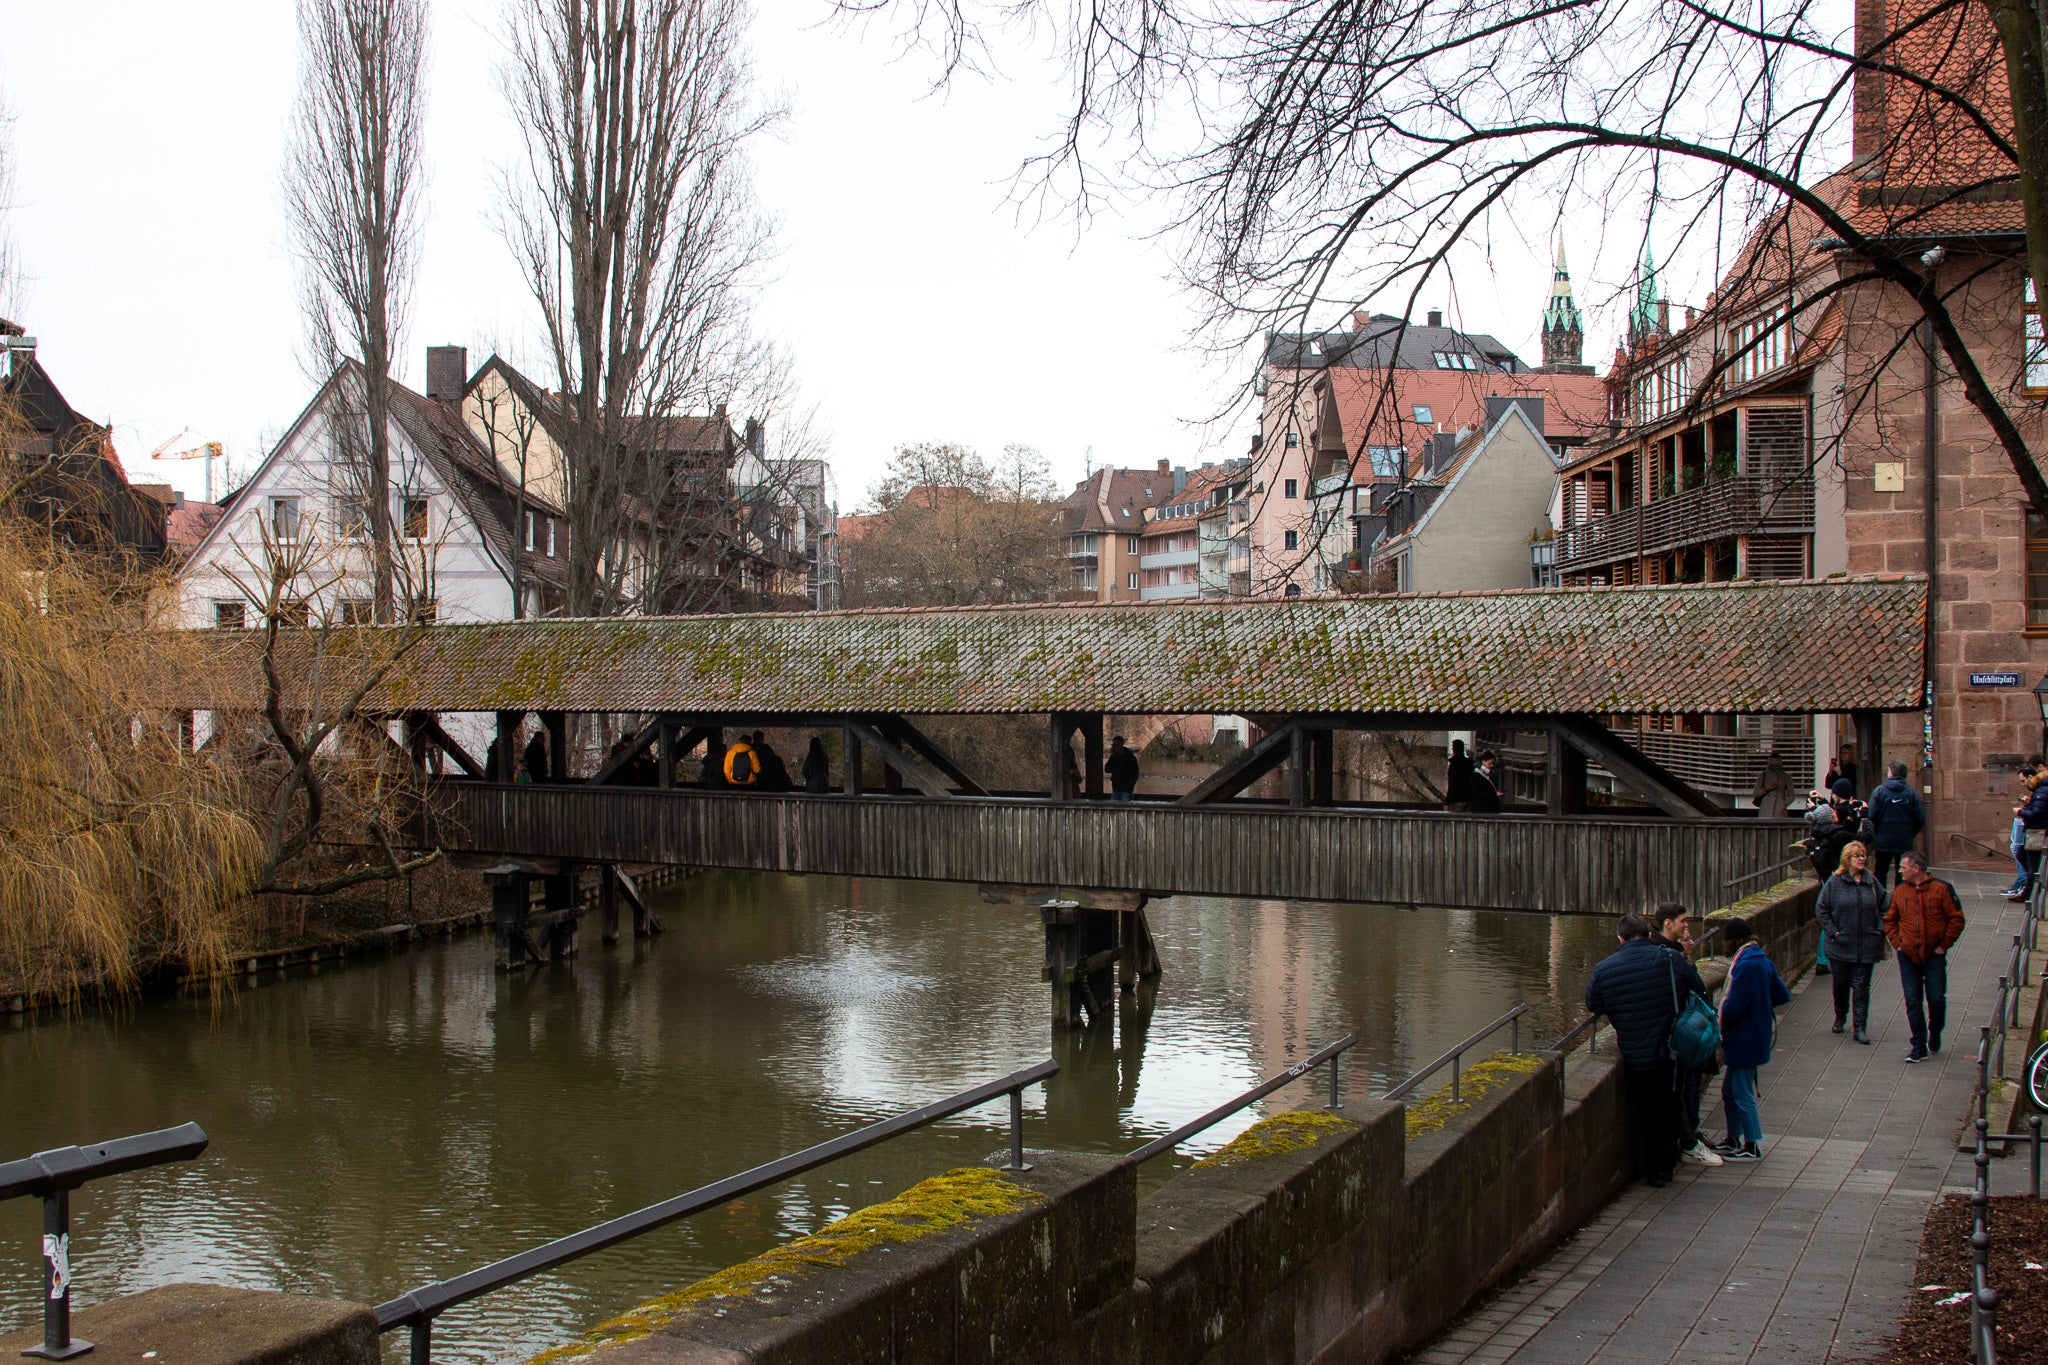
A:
x,y
1423,416
1454,360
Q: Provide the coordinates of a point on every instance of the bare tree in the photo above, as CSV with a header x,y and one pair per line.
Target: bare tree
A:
x,y
952,529
1348,146
637,231
352,186
7,280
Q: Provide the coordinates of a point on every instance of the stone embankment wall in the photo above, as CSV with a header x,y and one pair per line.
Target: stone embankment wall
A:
x,y
1354,1234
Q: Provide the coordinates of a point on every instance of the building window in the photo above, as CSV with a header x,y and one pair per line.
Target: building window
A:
x,y
412,518
1293,439
295,613
1385,460
1132,547
284,520
357,611
1761,345
228,616
352,514
1664,390
1294,589
533,534
551,537
2037,574
1292,489
2037,345
1423,416
1455,360
425,610
1293,540
1131,582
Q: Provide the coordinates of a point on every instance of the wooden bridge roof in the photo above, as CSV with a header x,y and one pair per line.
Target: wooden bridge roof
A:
x,y
1834,645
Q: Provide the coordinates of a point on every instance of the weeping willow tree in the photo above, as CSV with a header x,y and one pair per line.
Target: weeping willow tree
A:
x,y
120,848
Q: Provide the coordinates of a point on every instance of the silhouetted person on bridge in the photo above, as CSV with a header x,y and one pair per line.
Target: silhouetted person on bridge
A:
x,y
1485,795
774,772
1458,781
712,774
1122,767
1639,987
817,769
536,761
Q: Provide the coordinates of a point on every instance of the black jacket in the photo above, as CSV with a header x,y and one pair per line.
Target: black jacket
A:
x,y
2034,815
1485,796
1122,767
1458,783
1895,816
1634,987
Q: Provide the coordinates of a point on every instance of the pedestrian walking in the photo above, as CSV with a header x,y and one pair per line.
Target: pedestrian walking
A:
x,y
1458,781
1851,912
535,761
1485,790
774,772
1672,927
1896,819
1122,767
1773,790
1749,1004
1639,987
817,769
1923,922
742,766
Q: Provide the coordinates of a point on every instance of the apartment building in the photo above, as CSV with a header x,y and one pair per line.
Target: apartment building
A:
x,y
1102,522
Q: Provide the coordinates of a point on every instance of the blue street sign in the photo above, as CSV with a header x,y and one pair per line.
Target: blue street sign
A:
x,y
1994,680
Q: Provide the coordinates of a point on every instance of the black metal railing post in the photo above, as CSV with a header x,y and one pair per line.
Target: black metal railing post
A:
x,y
51,1176
1983,1298
1455,1058
1017,1162
2033,1155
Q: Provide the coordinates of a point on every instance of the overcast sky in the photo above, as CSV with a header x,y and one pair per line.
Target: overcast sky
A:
x,y
916,302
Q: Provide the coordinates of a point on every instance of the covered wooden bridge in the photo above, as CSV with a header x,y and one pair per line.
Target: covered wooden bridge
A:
x,y
1561,661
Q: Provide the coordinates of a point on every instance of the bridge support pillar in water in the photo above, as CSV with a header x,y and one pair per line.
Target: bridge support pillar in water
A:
x,y
511,908
1087,948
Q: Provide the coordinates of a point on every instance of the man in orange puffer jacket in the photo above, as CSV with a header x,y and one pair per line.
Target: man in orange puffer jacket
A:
x,y
1923,922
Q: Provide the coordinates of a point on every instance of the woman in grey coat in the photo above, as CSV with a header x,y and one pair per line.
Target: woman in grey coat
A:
x,y
1851,912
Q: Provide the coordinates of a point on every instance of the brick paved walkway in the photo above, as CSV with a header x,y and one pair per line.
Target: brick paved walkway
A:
x,y
1806,1255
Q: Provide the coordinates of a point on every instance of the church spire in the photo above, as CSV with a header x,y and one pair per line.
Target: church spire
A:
x,y
1564,334
1648,317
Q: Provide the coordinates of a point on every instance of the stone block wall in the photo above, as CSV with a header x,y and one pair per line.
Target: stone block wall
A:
x,y
1355,1234
1979,599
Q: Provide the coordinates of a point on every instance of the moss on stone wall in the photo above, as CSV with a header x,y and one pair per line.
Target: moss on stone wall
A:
x,y
959,1198
1275,1136
1430,1115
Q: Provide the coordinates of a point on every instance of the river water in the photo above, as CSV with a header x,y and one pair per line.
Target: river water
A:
x,y
399,1119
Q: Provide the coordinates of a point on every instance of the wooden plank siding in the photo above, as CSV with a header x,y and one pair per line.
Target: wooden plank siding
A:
x,y
1573,865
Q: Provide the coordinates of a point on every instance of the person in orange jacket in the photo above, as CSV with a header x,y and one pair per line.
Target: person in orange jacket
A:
x,y
1923,922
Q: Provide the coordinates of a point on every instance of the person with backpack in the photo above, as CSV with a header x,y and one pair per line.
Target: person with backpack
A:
x,y
1896,819
1749,1019
1639,987
1923,922
1851,913
742,764
1672,927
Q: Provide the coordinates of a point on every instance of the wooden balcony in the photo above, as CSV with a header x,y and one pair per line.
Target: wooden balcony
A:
x,y
1743,505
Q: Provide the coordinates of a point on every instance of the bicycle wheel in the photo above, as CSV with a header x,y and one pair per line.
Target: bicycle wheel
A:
x,y
2037,1079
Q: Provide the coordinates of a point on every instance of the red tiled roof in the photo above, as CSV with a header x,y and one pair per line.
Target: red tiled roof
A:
x,y
1377,408
1720,648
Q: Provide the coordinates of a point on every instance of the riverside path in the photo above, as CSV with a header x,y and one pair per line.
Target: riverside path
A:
x,y
1805,1256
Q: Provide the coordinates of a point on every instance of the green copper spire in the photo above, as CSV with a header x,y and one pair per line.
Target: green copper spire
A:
x,y
1643,321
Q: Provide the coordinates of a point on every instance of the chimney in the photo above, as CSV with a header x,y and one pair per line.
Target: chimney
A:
x,y
1664,317
1442,446
1436,317
1165,466
756,437
447,373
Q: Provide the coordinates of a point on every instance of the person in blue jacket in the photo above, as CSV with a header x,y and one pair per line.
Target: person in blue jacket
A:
x,y
1640,987
1748,1024
2032,814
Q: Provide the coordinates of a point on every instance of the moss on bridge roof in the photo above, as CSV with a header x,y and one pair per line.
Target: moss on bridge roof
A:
x,y
1834,645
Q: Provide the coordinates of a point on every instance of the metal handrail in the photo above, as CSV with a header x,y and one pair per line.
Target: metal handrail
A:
x,y
418,1308
1792,861
1983,1298
1329,1054
51,1176
1455,1057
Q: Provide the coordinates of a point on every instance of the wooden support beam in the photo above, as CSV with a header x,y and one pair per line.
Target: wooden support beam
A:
x,y
634,747
646,924
1091,755
558,899
508,746
1564,785
665,750
608,905
1248,767
1137,955
556,723
511,907
1298,743
909,737
907,766
428,726
1059,753
1322,766
850,761
1639,771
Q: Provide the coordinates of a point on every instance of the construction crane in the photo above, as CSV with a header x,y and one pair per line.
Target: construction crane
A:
x,y
208,451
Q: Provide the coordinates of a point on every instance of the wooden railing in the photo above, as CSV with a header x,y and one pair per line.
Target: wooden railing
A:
x,y
1599,865
1740,505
